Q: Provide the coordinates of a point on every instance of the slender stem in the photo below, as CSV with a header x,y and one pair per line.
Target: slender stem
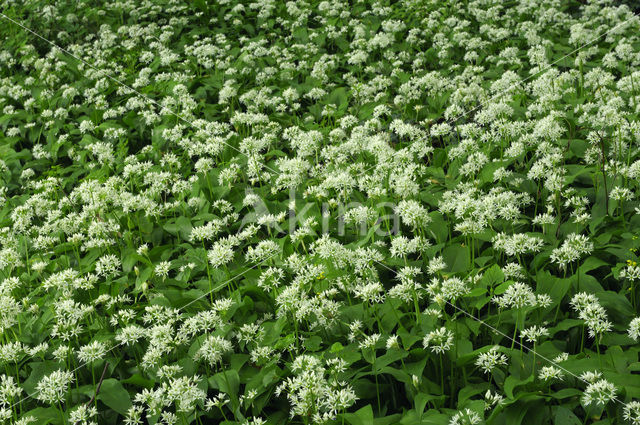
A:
x,y
441,374
604,175
104,372
62,415
598,350
417,307
534,360
206,260
375,374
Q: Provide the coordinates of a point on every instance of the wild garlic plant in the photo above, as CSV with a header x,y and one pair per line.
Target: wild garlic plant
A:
x,y
319,212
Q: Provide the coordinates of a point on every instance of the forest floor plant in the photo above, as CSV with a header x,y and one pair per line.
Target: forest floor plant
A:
x,y
319,212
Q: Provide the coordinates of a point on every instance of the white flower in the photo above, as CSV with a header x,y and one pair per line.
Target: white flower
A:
x,y
212,349
392,342
9,390
52,388
465,417
561,357
492,400
590,376
533,333
262,251
517,244
621,194
162,269
631,412
489,360
107,265
220,253
92,352
436,264
550,372
311,394
369,342
518,295
600,392
634,329
574,247
413,214
439,341
83,414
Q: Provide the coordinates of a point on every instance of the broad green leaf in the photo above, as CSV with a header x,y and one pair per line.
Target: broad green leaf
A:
x,y
113,394
457,258
363,416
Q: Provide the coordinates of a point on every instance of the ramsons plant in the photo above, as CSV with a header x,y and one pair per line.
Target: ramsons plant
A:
x,y
319,212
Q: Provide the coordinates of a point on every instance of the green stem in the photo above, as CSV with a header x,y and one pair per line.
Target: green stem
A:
x,y
441,374
417,307
534,360
375,374
206,260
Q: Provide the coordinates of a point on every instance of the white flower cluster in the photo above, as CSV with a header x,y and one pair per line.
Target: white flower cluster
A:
x,y
599,392
52,389
208,188
573,247
520,295
489,360
312,394
517,244
439,340
594,315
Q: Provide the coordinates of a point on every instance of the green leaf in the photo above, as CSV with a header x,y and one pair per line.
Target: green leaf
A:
x,y
592,263
566,393
113,394
565,325
390,357
492,276
438,226
420,401
336,347
511,383
227,382
565,416
184,227
388,420
38,371
457,258
364,416
617,305
139,381
44,415
476,292
556,288
313,344
467,392
263,380
338,97
436,419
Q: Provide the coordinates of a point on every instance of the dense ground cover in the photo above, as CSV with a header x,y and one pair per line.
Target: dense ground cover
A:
x,y
365,212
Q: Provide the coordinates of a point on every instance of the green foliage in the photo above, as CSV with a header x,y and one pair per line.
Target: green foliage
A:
x,y
364,213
